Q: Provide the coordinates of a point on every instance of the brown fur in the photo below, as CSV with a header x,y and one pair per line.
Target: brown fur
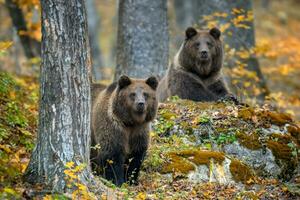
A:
x,y
195,73
120,125
96,88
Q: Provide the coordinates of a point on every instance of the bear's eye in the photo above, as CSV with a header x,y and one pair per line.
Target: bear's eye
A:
x,y
132,95
209,44
146,95
197,44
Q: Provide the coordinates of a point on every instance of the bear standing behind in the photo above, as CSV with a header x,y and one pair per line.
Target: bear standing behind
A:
x,y
195,73
121,117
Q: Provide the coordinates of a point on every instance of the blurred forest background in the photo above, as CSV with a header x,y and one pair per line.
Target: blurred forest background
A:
x,y
270,75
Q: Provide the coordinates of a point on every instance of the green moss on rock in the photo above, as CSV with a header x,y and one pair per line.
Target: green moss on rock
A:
x,y
249,141
240,172
246,113
278,118
280,150
184,161
177,164
202,157
294,130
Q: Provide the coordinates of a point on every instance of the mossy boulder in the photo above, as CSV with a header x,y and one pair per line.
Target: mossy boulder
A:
x,y
203,165
223,142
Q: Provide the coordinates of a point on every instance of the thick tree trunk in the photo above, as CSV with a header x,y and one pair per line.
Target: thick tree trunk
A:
x,y
64,118
143,38
93,26
32,47
241,37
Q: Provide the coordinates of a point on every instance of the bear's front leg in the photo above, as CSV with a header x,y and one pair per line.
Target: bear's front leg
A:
x,y
134,165
138,146
114,170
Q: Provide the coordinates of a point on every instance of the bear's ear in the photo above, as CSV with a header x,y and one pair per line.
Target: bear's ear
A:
x,y
152,82
190,32
215,32
124,81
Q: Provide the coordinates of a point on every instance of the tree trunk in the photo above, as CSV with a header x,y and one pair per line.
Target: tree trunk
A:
x,y
64,118
93,26
186,13
241,37
143,39
32,47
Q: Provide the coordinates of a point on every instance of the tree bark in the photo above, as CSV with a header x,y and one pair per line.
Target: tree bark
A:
x,y
143,39
186,13
64,118
93,26
32,47
241,37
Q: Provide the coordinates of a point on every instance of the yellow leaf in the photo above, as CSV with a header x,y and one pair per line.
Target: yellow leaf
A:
x,y
141,196
5,45
9,191
247,84
47,197
110,162
5,148
70,164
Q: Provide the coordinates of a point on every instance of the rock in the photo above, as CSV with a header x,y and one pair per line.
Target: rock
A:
x,y
263,163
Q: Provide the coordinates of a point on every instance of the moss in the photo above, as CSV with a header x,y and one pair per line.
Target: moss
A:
x,y
177,164
202,157
284,157
273,117
246,113
294,130
184,161
240,172
285,139
280,150
249,141
201,105
279,118
166,114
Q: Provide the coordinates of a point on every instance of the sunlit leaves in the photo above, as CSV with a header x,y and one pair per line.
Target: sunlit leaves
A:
x,y
31,10
73,173
4,45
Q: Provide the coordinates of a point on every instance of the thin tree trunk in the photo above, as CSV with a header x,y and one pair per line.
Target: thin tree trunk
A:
x,y
32,47
64,118
143,39
93,26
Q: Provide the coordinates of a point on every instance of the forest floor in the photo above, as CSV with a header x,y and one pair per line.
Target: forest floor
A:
x,y
182,131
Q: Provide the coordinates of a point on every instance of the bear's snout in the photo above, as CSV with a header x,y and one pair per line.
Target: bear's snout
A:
x,y
140,106
204,54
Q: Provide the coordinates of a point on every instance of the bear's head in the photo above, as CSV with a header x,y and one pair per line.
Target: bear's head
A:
x,y
201,52
135,100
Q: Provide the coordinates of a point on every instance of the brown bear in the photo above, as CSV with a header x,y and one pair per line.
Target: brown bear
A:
x,y
195,73
96,88
121,116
